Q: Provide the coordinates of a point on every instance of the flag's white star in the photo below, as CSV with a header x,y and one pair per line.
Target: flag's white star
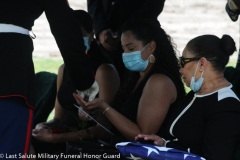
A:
x,y
134,158
150,150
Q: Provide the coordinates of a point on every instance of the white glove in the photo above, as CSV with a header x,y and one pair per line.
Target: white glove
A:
x,y
90,93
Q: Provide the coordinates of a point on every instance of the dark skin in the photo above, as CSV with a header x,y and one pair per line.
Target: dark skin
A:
x,y
109,40
153,104
108,80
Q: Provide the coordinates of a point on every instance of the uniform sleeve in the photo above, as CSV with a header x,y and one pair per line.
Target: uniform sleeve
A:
x,y
67,33
222,130
150,9
95,9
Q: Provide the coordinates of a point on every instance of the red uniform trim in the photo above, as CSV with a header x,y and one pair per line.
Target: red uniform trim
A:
x,y
17,95
28,135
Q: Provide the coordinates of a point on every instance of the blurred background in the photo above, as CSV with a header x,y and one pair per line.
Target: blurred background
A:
x,y
181,19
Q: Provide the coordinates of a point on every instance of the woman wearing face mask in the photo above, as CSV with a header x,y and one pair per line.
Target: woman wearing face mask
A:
x,y
65,113
207,122
152,88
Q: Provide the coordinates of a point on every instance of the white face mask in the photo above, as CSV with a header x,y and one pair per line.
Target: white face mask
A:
x,y
86,40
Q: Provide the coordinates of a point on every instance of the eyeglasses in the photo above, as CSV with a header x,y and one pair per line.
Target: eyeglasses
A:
x,y
184,61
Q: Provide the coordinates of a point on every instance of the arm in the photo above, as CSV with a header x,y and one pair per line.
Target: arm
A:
x,y
150,9
68,36
59,111
109,40
157,96
222,130
108,80
95,9
107,76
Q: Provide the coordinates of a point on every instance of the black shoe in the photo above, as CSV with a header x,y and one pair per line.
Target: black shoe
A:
x,y
233,15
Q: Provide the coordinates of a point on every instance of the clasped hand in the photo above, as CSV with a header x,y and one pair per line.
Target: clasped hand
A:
x,y
109,39
97,103
156,139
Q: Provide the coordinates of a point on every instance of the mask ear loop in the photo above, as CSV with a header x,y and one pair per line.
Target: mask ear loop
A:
x,y
196,69
202,73
144,47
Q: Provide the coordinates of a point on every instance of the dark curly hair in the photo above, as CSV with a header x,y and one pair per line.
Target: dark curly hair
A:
x,y
165,55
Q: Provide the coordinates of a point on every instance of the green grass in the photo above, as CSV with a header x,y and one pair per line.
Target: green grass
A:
x,y
232,63
47,64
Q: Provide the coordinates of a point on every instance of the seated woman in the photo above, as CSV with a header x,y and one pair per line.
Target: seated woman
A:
x,y
152,89
207,123
65,112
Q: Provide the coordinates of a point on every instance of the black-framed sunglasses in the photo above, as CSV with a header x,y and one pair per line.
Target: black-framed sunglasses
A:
x,y
184,61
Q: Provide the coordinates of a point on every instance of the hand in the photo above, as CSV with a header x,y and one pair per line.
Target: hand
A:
x,y
95,104
109,40
47,125
156,139
83,116
90,93
44,135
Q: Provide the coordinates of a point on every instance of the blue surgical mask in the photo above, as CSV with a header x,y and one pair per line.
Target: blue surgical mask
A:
x,y
134,62
86,39
195,86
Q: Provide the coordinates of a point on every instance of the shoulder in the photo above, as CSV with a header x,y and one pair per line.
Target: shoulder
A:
x,y
160,80
106,68
225,101
162,86
106,72
226,93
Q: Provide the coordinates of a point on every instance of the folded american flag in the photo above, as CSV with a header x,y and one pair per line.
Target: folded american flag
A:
x,y
137,151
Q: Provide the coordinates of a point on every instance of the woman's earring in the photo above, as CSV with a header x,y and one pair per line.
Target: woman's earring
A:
x,y
151,58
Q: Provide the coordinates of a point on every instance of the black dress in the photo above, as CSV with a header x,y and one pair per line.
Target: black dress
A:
x,y
207,125
133,101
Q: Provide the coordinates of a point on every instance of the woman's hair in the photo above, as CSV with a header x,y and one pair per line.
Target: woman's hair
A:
x,y
165,57
84,19
214,49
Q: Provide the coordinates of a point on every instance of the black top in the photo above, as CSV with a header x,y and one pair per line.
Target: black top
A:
x,y
67,88
116,14
133,101
207,125
16,64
